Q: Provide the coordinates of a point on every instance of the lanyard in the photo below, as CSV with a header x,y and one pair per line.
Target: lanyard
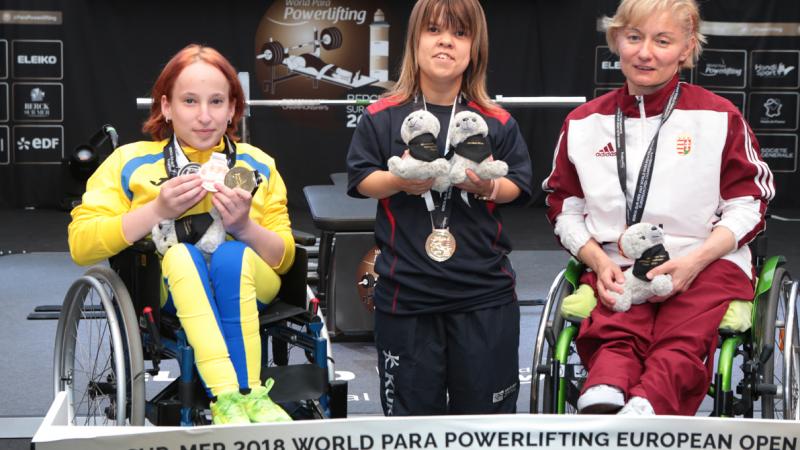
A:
x,y
633,214
440,214
175,158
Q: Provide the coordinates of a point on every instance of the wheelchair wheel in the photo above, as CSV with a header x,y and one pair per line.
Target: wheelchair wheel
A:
x,y
98,353
779,326
551,323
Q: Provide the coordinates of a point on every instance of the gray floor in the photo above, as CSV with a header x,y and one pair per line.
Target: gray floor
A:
x,y
29,344
35,270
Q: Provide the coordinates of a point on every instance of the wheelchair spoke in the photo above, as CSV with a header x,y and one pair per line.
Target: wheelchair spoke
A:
x,y
93,378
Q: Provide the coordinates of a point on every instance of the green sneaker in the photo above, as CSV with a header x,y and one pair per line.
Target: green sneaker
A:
x,y
260,408
228,409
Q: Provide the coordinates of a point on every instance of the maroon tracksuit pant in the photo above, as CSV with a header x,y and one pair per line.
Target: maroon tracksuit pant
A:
x,y
663,352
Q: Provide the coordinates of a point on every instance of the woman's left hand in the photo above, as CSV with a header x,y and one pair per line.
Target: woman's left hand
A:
x,y
683,269
234,207
476,185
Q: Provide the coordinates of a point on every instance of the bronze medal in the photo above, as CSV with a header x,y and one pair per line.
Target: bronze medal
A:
x,y
241,178
440,245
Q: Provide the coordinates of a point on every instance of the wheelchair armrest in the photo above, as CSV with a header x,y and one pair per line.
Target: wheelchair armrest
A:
x,y
303,238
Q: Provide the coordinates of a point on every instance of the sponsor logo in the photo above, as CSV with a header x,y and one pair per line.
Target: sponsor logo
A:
x,y
773,107
390,361
683,145
772,70
37,143
777,152
714,69
37,59
611,65
608,150
38,101
37,95
499,396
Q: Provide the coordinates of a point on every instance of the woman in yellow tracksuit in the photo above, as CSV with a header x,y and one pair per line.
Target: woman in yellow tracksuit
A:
x,y
197,102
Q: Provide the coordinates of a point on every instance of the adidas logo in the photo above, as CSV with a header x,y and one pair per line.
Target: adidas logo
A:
x,y
608,150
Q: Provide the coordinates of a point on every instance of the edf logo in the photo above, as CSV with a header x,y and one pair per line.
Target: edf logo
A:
x,y
38,143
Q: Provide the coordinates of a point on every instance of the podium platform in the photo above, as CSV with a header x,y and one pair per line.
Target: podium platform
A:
x,y
516,431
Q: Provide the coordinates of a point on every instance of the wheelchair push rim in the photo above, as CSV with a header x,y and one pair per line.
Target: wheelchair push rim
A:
x,y
781,329
97,345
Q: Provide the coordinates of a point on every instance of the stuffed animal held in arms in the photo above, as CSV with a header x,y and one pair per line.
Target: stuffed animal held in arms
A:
x,y
419,132
468,135
644,243
205,231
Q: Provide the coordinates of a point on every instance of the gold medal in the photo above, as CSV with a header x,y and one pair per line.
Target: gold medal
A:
x,y
241,178
440,245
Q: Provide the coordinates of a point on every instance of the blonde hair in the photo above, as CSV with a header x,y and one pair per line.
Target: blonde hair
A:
x,y
464,15
632,12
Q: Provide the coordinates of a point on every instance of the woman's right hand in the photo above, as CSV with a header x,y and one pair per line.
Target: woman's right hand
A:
x,y
609,275
179,194
413,187
609,279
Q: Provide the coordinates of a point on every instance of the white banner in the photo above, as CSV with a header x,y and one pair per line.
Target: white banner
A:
x,y
456,432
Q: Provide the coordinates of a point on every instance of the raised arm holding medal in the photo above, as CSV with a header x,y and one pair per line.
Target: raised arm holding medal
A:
x,y
217,211
445,302
669,153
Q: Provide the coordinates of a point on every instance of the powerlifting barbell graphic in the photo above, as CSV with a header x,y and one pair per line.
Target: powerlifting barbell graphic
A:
x,y
305,59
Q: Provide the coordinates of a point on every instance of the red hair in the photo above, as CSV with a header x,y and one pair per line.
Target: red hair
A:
x,y
156,125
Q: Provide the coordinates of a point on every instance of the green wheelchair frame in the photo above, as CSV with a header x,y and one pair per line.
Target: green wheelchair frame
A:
x,y
770,343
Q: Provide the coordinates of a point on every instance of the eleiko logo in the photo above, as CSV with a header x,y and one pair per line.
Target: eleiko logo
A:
x,y
37,59
608,150
611,65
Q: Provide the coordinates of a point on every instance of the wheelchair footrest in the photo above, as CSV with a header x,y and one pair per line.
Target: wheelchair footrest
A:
x,y
296,382
278,311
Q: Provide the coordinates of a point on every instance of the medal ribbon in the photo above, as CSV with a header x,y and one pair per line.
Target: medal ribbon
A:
x,y
440,213
634,212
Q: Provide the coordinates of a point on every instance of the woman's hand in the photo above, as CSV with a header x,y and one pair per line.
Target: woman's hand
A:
x,y
683,270
609,279
476,185
177,195
413,187
609,275
234,208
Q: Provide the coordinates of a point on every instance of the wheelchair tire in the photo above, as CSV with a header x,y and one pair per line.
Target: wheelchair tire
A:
x,y
550,326
98,339
779,326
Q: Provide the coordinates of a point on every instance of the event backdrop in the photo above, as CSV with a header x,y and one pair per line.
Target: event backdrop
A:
x,y
68,67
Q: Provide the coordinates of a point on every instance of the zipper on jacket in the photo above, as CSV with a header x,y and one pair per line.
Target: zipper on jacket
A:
x,y
642,119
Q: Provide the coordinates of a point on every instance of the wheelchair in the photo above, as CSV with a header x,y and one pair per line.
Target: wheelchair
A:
x,y
110,324
768,353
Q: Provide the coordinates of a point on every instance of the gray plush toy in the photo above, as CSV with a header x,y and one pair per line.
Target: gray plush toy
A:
x,y
165,234
419,131
467,133
644,243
